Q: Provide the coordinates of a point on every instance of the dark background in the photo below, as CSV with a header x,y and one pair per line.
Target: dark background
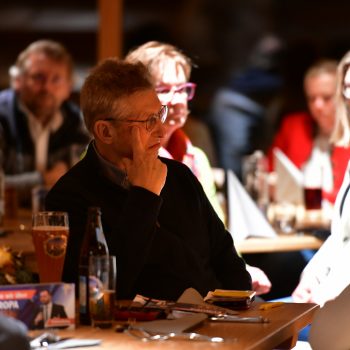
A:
x,y
219,35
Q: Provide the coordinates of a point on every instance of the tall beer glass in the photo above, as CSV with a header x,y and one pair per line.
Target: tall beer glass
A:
x,y
50,235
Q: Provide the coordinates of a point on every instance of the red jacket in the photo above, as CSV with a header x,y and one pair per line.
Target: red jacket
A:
x,y
295,139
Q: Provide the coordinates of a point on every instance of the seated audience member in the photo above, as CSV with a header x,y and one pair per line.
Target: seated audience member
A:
x,y
13,334
156,217
326,275
329,328
241,110
41,132
304,136
170,70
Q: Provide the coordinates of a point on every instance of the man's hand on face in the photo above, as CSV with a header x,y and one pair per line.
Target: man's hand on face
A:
x,y
145,169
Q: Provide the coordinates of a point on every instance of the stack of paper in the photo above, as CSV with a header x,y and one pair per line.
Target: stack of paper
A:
x,y
289,184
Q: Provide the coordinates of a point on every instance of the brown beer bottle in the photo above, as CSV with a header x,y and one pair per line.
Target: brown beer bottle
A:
x,y
94,243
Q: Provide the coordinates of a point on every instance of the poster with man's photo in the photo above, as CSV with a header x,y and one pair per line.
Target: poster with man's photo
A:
x,y
40,306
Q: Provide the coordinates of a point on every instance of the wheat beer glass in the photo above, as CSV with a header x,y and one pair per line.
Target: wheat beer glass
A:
x,y
50,235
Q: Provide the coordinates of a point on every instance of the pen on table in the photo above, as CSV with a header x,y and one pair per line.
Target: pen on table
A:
x,y
270,305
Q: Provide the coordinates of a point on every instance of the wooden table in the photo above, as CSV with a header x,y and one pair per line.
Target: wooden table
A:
x,y
281,332
280,243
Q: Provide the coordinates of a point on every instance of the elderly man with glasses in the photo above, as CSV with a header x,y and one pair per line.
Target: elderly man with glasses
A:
x,y
156,217
170,70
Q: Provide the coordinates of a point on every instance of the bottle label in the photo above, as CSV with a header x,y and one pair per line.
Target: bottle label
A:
x,y
83,294
2,196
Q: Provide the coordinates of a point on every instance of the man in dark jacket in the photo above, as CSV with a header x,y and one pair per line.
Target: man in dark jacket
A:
x,y
41,132
156,217
47,310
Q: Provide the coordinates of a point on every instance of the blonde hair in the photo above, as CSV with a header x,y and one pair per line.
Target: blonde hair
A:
x,y
324,66
341,131
157,55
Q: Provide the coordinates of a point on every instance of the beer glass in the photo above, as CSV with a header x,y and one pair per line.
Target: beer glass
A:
x,y
313,183
50,235
102,283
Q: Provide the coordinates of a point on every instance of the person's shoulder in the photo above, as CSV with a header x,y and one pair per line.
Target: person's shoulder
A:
x,y
176,168
297,122
297,118
78,175
6,94
7,98
173,164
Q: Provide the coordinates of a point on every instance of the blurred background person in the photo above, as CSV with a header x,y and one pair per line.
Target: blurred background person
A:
x,y
42,132
305,136
171,70
242,112
326,275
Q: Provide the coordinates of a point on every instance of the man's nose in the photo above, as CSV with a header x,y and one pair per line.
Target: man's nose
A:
x,y
48,84
319,103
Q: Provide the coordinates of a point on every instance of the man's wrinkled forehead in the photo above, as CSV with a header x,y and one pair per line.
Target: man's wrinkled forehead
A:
x,y
126,104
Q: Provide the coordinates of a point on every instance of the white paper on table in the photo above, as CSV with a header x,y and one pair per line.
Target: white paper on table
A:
x,y
73,343
289,182
245,219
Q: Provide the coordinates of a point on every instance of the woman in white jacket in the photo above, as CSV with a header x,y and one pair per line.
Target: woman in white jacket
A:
x,y
328,273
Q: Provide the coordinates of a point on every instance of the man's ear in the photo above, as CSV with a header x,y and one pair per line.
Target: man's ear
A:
x,y
104,131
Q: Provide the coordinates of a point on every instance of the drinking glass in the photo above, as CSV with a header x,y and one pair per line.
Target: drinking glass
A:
x,y
284,217
50,235
313,183
102,284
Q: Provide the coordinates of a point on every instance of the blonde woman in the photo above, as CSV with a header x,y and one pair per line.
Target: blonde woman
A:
x,y
327,274
330,326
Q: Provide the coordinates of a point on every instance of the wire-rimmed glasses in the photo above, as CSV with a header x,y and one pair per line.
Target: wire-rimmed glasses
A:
x,y
168,91
150,122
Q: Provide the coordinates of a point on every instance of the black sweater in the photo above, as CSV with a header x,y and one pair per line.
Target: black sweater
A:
x,y
163,244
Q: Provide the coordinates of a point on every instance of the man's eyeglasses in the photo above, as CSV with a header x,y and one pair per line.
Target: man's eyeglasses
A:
x,y
150,122
168,91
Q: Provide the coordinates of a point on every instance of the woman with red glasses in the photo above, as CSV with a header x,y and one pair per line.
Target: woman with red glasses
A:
x,y
170,70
